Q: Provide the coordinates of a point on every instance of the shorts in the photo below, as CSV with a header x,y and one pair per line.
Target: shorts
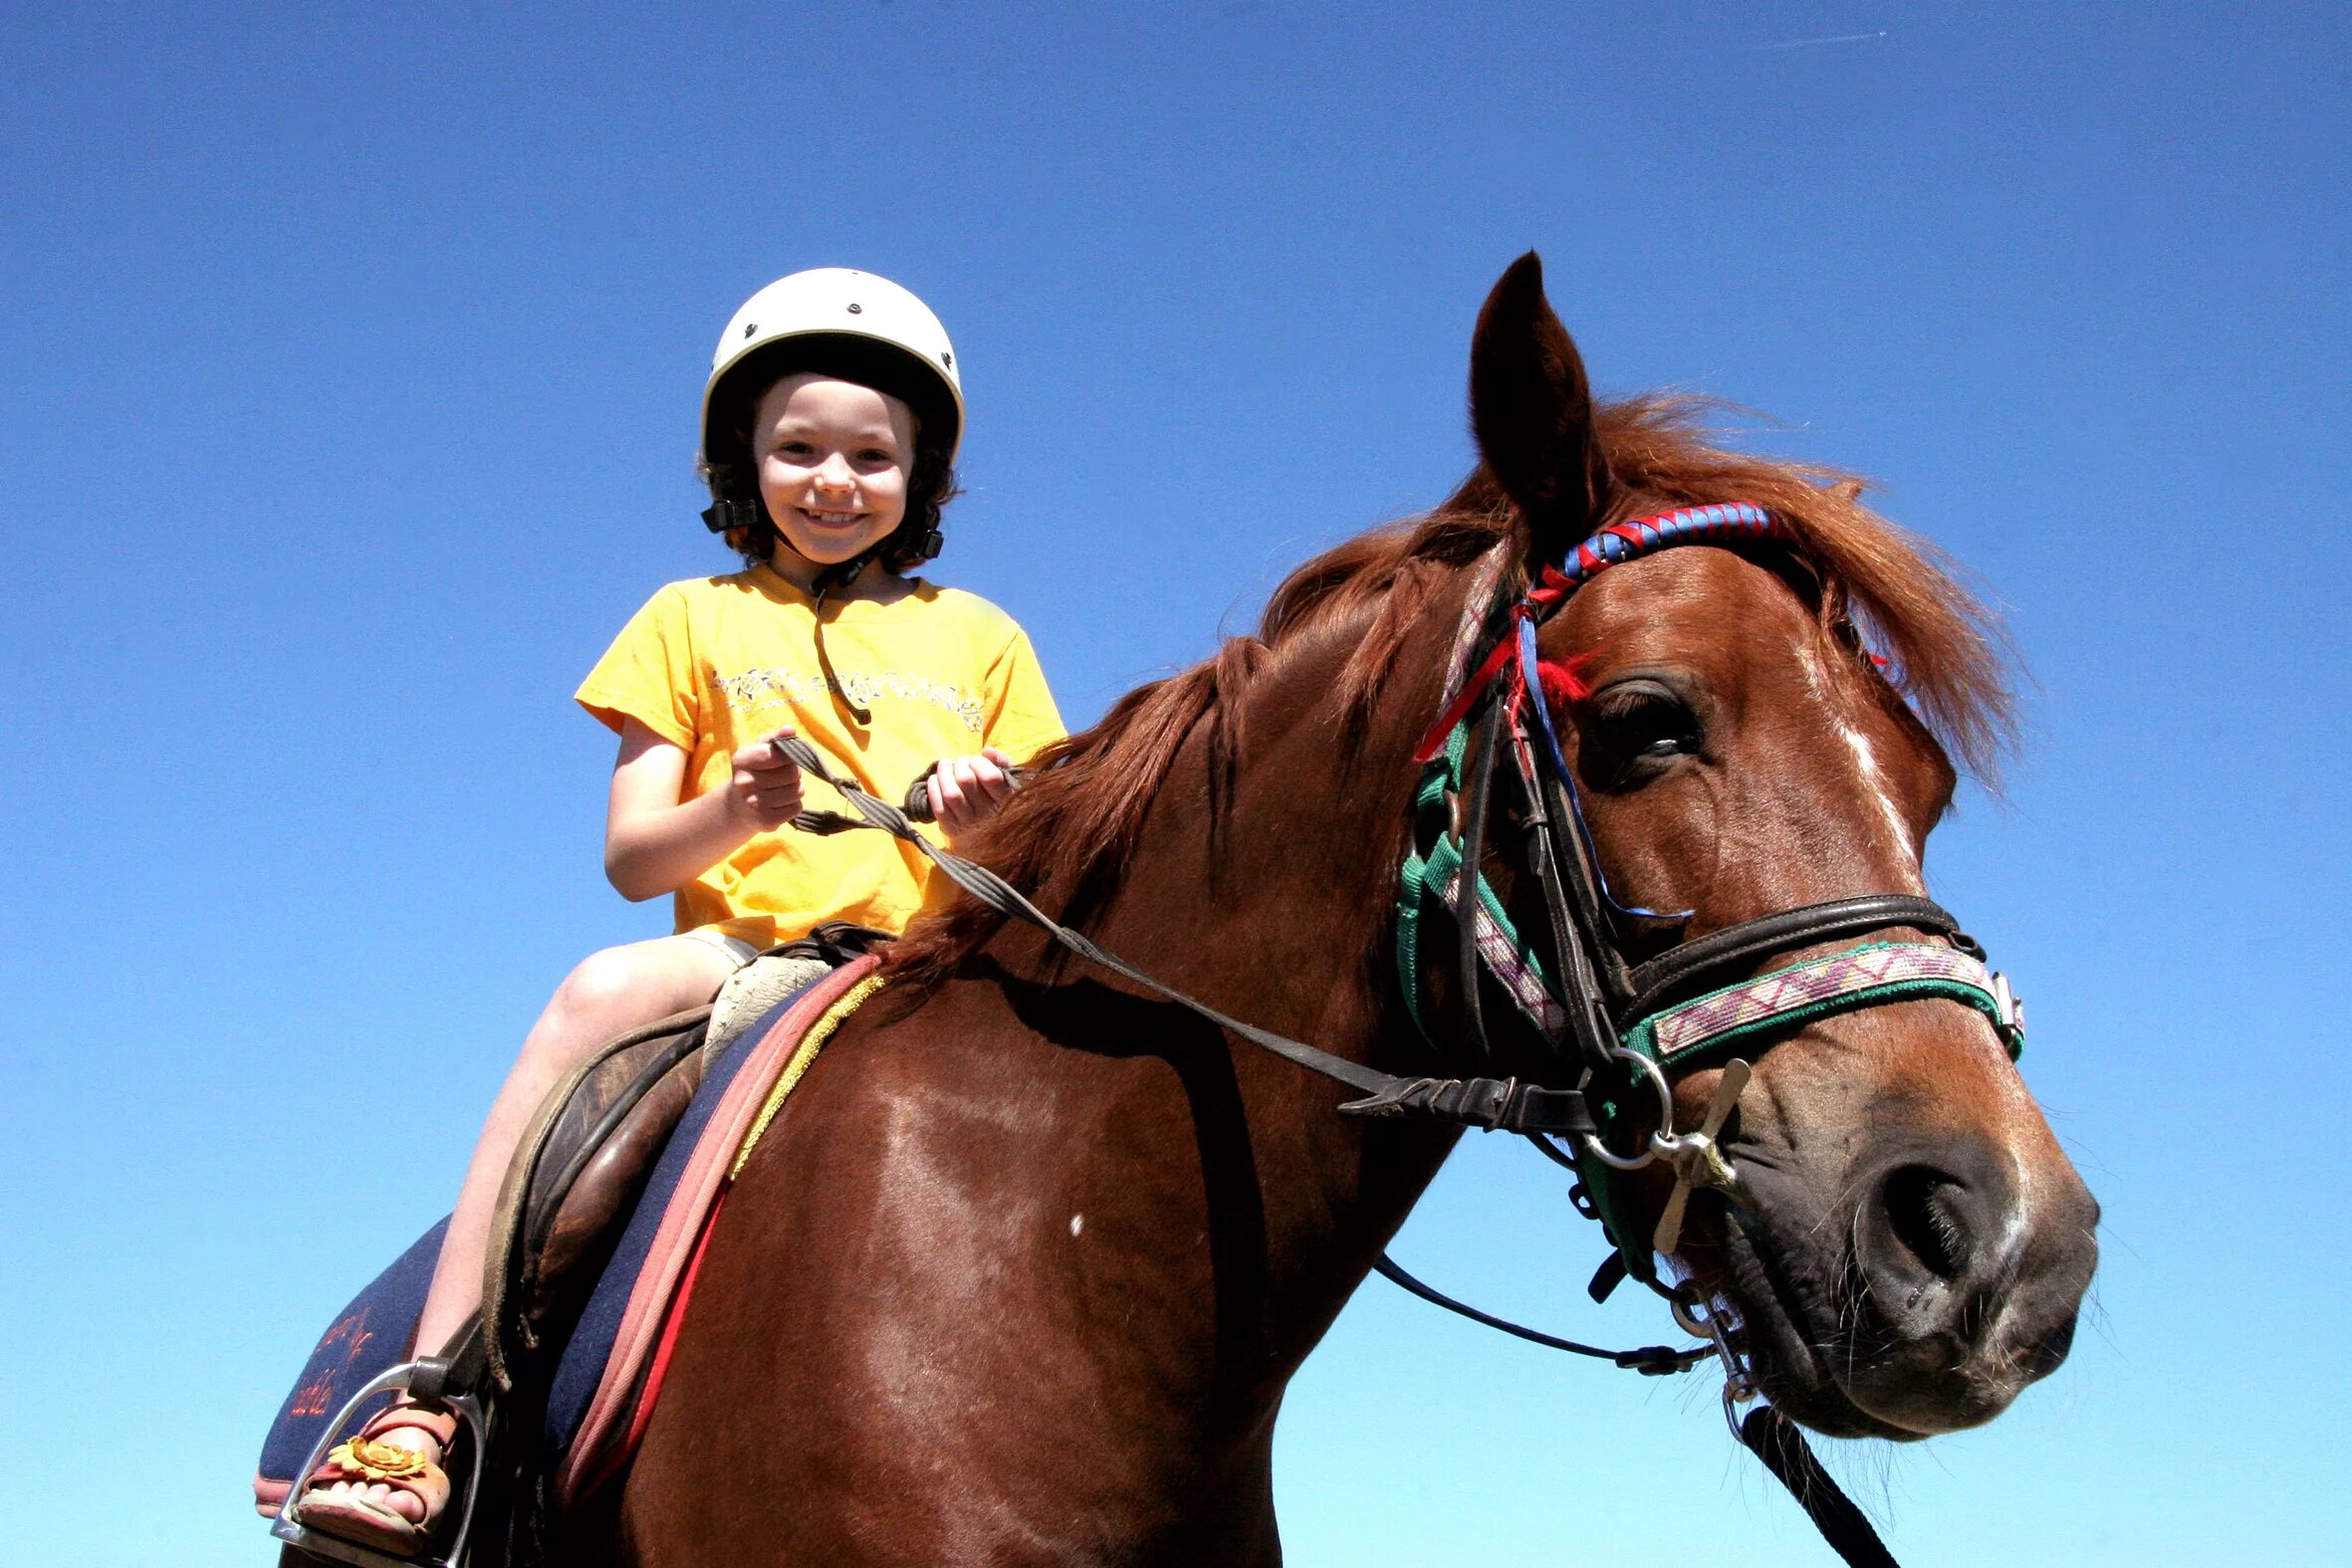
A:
x,y
735,948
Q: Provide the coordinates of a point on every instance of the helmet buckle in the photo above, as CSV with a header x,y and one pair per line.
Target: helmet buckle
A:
x,y
721,516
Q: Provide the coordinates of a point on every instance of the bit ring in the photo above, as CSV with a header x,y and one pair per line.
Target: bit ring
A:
x,y
1601,1151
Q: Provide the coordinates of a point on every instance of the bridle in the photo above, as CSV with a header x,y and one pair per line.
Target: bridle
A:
x,y
1626,1024
1618,1026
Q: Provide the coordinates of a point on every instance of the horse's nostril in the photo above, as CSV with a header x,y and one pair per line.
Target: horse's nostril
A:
x,y
1959,1292
1925,1210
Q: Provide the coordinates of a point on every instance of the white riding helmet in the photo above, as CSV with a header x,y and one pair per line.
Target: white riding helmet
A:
x,y
849,324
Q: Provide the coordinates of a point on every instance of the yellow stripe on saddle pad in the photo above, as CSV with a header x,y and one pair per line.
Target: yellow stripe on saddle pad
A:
x,y
811,1043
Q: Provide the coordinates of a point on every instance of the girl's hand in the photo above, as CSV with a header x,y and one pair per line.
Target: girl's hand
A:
x,y
966,791
764,791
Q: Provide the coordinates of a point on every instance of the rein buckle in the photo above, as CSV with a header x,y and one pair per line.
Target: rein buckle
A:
x,y
1492,1104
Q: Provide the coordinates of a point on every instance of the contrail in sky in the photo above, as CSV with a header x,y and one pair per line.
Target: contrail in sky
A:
x,y
1843,38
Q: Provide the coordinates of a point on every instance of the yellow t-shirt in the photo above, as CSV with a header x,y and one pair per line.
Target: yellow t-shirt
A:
x,y
712,664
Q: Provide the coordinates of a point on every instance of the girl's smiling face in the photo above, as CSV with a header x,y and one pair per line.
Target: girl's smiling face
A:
x,y
834,460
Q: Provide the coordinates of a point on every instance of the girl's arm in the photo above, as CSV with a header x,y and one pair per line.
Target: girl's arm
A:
x,y
655,843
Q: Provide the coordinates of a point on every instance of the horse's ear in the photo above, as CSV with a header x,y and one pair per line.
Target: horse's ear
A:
x,y
1532,411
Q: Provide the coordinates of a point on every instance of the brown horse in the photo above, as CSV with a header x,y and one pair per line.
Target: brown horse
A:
x,y
1023,1271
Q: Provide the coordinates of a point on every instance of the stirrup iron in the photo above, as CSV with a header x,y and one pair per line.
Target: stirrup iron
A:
x,y
429,1378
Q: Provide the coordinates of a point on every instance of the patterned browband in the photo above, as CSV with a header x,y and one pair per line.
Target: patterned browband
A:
x,y
1690,526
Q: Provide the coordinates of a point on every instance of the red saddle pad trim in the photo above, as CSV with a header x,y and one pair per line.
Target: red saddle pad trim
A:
x,y
623,1402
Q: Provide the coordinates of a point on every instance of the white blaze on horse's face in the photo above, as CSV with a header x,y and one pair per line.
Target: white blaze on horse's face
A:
x,y
1870,781
833,464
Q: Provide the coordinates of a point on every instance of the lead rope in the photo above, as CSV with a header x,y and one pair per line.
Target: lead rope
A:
x,y
1651,1361
1781,1446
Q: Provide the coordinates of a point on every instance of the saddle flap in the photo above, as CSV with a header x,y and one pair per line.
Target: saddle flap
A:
x,y
600,1104
583,1163
605,1173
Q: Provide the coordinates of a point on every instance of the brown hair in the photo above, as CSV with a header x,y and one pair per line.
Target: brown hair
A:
x,y
1083,812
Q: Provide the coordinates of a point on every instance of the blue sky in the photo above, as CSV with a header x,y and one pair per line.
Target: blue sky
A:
x,y
350,364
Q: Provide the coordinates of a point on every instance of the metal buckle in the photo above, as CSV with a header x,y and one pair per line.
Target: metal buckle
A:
x,y
721,516
1712,1319
2010,1005
1601,1151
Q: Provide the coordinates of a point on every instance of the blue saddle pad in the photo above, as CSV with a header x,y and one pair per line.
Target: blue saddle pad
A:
x,y
372,1335
581,1365
368,1338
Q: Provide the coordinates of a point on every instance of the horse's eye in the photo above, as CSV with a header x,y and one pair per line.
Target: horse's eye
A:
x,y
1640,726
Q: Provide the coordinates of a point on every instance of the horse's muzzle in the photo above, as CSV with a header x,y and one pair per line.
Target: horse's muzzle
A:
x,y
1947,1279
1964,1288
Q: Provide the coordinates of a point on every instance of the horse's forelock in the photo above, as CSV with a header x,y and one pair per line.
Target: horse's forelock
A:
x,y
1944,649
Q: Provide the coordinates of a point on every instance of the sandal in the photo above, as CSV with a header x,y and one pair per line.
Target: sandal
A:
x,y
367,1461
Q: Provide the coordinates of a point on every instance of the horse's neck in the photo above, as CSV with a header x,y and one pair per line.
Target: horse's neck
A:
x,y
1031,1212
1274,907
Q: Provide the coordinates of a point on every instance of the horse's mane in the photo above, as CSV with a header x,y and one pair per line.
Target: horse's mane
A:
x,y
1077,821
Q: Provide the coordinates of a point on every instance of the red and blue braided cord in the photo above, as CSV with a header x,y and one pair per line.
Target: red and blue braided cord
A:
x,y
1608,547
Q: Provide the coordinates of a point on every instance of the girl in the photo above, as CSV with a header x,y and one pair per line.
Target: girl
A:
x,y
830,428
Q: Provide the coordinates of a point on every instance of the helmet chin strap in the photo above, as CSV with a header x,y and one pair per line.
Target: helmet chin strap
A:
x,y
723,514
839,575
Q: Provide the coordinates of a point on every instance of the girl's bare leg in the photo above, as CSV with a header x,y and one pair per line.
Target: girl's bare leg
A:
x,y
615,989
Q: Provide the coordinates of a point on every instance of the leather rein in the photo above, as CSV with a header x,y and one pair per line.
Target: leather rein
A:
x,y
1622,1027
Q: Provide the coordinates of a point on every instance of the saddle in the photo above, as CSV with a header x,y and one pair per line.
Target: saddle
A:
x,y
598,1205
584,1161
